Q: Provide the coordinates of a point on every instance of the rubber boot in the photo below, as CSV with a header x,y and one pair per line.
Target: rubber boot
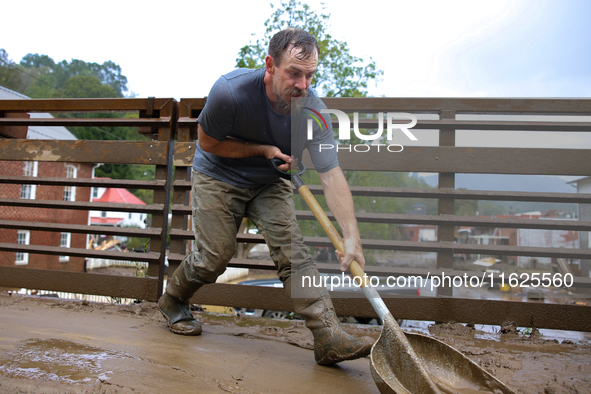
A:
x,y
174,304
331,344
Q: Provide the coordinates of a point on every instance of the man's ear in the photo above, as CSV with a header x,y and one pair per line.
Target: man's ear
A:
x,y
270,64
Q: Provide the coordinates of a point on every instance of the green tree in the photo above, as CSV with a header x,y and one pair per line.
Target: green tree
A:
x,y
39,76
339,73
466,207
87,86
10,75
490,208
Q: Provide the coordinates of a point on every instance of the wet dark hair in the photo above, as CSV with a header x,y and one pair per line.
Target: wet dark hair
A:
x,y
289,39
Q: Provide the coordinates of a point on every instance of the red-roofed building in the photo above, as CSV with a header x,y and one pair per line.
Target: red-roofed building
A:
x,y
116,219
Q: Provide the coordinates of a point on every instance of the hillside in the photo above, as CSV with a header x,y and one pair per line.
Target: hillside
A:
x,y
516,183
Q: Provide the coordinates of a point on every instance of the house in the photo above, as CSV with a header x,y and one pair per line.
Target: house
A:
x,y
43,192
420,232
113,219
117,219
547,238
418,209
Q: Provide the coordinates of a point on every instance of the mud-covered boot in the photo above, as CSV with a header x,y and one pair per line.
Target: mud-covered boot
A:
x,y
331,344
174,304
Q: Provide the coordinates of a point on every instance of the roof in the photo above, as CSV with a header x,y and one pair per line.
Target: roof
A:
x,y
113,194
7,94
580,180
38,132
105,221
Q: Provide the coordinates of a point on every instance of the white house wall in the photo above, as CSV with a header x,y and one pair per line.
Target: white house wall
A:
x,y
545,239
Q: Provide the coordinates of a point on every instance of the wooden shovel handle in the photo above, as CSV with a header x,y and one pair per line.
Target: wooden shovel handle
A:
x,y
330,230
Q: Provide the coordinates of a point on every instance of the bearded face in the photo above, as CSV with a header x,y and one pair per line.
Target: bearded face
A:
x,y
284,97
292,78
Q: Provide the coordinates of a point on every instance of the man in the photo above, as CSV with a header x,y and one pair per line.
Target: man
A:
x,y
246,122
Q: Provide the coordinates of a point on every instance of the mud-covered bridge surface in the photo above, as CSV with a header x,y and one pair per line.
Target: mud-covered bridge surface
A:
x,y
56,346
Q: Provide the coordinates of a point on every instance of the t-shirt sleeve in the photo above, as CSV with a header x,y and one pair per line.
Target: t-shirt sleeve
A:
x,y
322,148
217,117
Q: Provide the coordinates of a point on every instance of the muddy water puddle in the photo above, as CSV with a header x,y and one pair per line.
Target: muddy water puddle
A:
x,y
57,360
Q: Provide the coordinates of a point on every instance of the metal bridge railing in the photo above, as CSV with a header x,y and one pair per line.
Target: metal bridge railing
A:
x,y
172,125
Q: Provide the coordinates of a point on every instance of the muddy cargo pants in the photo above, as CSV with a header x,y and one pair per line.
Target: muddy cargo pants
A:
x,y
218,209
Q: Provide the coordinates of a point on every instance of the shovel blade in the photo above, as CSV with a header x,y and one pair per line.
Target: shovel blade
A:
x,y
396,367
450,370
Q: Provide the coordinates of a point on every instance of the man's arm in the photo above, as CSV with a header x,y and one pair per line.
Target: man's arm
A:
x,y
340,203
236,149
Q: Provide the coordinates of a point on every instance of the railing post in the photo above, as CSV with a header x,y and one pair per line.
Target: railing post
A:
x,y
445,233
181,196
14,131
164,196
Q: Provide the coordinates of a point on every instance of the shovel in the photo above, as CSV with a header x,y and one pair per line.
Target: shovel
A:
x,y
405,363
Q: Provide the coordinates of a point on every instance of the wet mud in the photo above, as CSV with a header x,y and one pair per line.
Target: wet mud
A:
x,y
527,363
49,346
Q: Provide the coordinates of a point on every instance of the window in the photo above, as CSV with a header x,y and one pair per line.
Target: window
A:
x,y
22,238
27,192
95,192
30,170
65,240
70,191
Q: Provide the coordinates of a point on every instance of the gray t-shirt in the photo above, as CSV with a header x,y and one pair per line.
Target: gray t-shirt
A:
x,y
238,107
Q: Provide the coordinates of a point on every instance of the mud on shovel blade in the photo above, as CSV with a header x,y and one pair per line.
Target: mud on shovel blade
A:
x,y
395,366
406,363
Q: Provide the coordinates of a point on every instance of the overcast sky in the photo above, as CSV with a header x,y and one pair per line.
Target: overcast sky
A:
x,y
499,48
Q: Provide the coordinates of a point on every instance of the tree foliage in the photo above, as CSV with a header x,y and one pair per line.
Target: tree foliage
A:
x,y
339,73
39,76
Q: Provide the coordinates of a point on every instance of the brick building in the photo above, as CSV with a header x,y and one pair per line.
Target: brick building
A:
x,y
42,192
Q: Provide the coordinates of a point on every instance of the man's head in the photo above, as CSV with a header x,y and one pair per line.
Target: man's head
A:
x,y
291,64
290,39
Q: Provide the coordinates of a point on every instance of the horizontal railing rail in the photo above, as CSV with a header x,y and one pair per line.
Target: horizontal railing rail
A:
x,y
56,181
385,218
461,160
107,152
72,122
462,194
81,229
82,205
